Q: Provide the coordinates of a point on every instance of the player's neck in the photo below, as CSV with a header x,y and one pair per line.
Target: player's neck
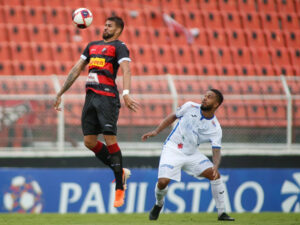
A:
x,y
208,114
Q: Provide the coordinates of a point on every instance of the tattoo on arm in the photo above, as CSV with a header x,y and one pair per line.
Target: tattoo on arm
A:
x,y
216,156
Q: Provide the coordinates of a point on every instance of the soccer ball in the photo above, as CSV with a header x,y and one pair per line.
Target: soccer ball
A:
x,y
82,18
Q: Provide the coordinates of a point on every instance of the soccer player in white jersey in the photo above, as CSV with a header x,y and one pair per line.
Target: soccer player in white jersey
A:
x,y
196,124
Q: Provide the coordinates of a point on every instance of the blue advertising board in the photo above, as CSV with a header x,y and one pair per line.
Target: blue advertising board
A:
x,y
91,190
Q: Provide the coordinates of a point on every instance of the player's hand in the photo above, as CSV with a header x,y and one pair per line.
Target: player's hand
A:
x,y
57,102
131,103
215,172
149,134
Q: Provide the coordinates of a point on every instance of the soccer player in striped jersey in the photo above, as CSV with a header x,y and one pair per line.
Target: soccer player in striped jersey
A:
x,y
196,124
101,108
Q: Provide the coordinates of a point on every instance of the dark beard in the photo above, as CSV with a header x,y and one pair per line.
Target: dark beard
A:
x,y
107,36
206,108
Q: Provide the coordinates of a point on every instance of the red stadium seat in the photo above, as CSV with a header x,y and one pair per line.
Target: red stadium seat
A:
x,y
112,4
4,33
23,68
292,38
290,21
285,70
41,51
237,112
228,6
245,70
271,87
14,14
276,112
275,38
269,21
186,69
154,18
226,70
145,69
55,3
246,6
98,18
160,36
38,33
62,52
265,70
217,38
142,54
44,68
92,4
167,68
12,2
201,38
35,15
295,56
132,4
193,19
115,11
256,38
170,4
96,34
260,56
221,55
266,6
206,69
241,56
163,54
208,5
21,51
178,39
236,38
250,87
57,15
5,51
177,15
62,68
151,4
286,6
82,36
189,5
280,56
256,113
6,68
202,55
17,33
59,34
135,18
212,19
183,54
250,20
232,20
139,35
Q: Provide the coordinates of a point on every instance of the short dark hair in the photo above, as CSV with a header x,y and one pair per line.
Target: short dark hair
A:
x,y
118,20
220,97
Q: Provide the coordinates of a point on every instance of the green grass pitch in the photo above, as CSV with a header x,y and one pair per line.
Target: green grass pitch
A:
x,y
140,219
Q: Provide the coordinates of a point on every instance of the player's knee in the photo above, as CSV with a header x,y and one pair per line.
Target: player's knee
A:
x,y
90,144
162,183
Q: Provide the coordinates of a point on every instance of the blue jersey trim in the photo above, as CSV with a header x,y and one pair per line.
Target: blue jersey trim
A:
x,y
172,132
216,147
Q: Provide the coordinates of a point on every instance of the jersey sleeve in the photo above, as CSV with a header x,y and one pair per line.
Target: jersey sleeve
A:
x,y
86,53
216,139
122,53
183,109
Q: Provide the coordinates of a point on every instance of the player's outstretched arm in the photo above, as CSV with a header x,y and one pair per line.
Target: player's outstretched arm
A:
x,y
129,102
73,75
165,123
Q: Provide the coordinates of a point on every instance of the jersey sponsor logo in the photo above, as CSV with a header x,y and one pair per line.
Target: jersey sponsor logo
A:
x,y
108,125
180,146
107,50
97,62
92,78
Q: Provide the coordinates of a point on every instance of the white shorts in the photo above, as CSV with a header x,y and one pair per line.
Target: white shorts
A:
x,y
172,160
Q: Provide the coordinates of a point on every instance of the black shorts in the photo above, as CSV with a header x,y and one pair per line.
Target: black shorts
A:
x,y
100,114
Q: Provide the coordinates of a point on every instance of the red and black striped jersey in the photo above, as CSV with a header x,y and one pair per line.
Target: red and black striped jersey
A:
x,y
104,59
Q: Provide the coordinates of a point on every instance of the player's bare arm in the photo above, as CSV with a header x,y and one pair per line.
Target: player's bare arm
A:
x,y
164,124
129,102
216,157
73,75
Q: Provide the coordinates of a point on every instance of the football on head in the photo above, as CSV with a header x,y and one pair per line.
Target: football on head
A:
x,y
82,18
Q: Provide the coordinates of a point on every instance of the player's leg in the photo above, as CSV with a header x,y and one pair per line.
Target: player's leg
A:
x,y
171,161
218,191
199,165
161,189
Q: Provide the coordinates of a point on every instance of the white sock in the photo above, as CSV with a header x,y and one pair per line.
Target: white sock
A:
x,y
217,190
160,195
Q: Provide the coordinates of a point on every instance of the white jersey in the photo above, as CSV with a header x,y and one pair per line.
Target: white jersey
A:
x,y
193,128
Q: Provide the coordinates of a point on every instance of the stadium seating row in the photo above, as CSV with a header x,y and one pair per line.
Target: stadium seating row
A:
x,y
225,5
215,19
